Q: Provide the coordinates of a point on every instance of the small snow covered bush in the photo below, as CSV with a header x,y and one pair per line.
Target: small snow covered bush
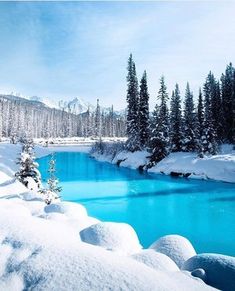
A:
x,y
113,236
28,173
52,193
107,148
177,247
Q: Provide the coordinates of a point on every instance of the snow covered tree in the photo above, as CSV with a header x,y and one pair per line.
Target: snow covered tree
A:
x,y
51,193
144,112
98,120
190,138
159,141
209,137
176,134
200,114
228,103
132,98
28,173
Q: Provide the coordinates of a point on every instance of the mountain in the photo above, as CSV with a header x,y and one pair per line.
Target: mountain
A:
x,y
23,100
75,106
78,106
46,101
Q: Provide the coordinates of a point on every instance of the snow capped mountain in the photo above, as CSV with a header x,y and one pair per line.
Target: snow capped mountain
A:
x,y
46,101
76,106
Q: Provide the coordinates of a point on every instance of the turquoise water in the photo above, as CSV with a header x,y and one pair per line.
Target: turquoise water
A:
x,y
155,205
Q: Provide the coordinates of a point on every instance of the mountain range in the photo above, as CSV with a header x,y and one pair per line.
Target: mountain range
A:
x,y
76,105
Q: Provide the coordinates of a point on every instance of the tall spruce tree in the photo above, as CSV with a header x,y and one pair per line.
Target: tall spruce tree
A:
x,y
144,112
190,137
209,137
132,98
233,106
228,103
200,122
159,142
98,120
200,113
176,134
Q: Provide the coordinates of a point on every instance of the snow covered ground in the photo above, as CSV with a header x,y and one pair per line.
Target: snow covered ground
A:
x,y
60,247
220,167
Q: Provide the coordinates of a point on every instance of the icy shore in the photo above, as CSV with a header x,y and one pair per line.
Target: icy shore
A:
x,y
220,167
60,247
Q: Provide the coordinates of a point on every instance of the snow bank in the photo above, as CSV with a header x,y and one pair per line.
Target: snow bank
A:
x,y
113,236
132,160
41,247
72,210
219,269
156,260
9,154
218,167
176,247
47,254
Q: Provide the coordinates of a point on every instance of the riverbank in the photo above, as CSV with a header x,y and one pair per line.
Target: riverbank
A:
x,y
59,247
219,167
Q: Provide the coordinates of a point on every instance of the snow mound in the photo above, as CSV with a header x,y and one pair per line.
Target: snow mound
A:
x,y
219,269
177,247
155,260
113,236
72,210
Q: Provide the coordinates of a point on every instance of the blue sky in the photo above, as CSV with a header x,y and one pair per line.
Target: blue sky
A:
x,y
63,50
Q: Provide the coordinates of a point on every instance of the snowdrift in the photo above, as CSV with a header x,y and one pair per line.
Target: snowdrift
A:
x,y
59,247
219,269
119,237
176,247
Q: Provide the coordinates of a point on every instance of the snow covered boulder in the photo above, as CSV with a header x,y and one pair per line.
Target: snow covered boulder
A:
x,y
177,247
113,236
70,209
155,260
219,269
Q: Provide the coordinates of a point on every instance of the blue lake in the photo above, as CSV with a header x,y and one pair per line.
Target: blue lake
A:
x,y
155,205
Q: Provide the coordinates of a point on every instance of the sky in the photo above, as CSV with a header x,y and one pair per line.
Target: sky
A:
x,y
63,50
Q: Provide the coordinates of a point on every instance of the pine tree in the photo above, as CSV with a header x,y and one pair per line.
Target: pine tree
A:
x,y
176,134
53,181
144,112
132,98
200,113
228,103
190,138
52,192
159,142
97,120
28,173
209,137
200,122
233,107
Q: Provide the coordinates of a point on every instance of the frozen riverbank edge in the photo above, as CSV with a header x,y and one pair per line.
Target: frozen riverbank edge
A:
x,y
59,247
219,167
